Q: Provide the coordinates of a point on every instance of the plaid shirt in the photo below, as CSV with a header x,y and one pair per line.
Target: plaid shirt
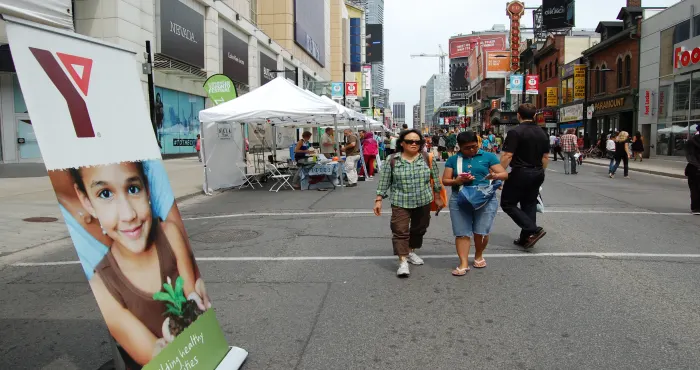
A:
x,y
409,183
569,143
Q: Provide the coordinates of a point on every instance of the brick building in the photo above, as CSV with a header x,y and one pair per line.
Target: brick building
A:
x,y
613,74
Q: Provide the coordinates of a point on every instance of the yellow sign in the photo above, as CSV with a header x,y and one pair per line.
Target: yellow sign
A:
x,y
470,112
580,81
552,97
609,104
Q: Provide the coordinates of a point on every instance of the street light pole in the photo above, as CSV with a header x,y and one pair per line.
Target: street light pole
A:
x,y
344,97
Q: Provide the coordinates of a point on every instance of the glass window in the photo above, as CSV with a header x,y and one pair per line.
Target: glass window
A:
x,y
619,73
696,26
628,70
603,79
670,37
681,95
254,11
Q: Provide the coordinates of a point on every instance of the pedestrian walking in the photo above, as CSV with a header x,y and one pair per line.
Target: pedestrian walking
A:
x,y
610,150
569,145
451,143
370,150
471,166
198,147
692,171
526,150
638,146
557,148
622,154
413,179
442,145
352,156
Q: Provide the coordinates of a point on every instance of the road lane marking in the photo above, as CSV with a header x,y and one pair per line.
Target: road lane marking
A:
x,y
434,256
387,213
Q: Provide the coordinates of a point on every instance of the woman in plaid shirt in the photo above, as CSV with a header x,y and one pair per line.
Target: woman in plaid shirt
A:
x,y
407,176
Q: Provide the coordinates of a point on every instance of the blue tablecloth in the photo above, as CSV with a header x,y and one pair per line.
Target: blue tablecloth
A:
x,y
330,173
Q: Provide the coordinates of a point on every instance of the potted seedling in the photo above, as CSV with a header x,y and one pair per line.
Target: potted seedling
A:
x,y
180,312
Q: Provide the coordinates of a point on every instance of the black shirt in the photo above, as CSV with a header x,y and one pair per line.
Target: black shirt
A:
x,y
528,143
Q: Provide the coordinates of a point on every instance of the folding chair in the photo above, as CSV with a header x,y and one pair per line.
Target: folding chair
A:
x,y
249,179
281,181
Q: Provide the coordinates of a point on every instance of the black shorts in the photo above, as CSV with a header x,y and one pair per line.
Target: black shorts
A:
x,y
442,149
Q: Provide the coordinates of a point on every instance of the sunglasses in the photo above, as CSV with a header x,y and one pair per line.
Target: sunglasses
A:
x,y
413,142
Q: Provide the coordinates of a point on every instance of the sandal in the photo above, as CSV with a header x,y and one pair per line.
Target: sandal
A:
x,y
480,264
460,272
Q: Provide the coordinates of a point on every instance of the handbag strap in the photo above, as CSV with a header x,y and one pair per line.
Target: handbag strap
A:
x,y
459,168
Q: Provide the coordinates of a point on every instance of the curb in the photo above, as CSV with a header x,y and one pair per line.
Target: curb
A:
x,y
651,172
189,196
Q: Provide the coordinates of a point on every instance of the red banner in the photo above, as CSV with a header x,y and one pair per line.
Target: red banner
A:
x,y
532,85
462,46
515,10
351,89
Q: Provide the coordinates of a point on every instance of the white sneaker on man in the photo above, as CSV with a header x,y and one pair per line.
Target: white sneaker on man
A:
x,y
403,270
414,259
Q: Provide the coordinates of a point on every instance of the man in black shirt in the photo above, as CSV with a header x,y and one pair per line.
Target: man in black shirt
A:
x,y
526,150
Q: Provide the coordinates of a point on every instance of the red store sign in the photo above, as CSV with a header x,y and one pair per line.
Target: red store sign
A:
x,y
515,10
686,55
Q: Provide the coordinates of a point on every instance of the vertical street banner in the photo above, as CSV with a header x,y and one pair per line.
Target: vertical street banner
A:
x,y
336,90
580,81
220,89
516,84
351,90
532,85
93,128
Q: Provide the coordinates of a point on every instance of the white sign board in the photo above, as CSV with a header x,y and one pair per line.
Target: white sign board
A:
x,y
571,113
224,130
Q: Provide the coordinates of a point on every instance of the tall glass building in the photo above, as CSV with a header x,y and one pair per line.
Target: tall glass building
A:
x,y
437,92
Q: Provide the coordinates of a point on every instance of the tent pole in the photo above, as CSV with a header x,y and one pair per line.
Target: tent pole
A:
x,y
274,145
362,156
341,168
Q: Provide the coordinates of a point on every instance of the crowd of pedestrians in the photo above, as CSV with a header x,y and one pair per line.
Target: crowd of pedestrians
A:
x,y
412,182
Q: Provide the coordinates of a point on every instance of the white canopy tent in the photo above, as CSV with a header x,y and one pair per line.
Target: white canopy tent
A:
x,y
277,102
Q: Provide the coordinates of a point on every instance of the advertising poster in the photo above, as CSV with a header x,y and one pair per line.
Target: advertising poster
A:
x,y
374,43
367,76
351,90
234,53
462,46
177,120
580,81
497,64
532,85
552,97
181,33
516,84
470,111
113,191
309,16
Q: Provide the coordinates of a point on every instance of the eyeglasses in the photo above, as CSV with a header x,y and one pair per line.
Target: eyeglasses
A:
x,y
413,142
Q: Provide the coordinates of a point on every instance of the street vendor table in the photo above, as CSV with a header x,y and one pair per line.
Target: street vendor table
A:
x,y
313,175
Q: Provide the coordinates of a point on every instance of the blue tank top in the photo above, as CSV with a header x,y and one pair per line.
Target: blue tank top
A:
x,y
304,146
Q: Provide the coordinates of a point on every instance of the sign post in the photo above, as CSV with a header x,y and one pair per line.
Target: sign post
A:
x,y
70,83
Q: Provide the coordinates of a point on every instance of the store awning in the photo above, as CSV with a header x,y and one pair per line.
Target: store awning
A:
x,y
571,125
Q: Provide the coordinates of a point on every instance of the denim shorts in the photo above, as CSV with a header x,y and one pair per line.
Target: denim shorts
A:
x,y
466,221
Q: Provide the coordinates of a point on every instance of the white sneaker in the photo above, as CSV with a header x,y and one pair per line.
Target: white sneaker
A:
x,y
414,259
403,270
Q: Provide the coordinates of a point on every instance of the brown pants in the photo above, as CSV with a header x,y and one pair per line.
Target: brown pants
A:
x,y
408,227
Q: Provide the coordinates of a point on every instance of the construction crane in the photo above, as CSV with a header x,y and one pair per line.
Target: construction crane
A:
x,y
442,55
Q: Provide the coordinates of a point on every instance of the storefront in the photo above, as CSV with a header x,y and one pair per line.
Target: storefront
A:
x,y
17,141
571,116
547,119
612,114
669,98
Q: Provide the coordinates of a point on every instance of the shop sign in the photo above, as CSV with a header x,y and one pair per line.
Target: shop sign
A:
x,y
580,81
589,111
351,90
458,95
571,113
515,10
567,70
70,84
181,33
267,65
552,97
235,57
648,102
686,55
532,85
495,103
609,104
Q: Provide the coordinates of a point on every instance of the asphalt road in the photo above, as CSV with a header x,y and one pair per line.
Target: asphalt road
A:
x,y
306,280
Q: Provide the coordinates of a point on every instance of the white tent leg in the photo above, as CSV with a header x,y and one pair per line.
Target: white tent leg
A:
x,y
205,185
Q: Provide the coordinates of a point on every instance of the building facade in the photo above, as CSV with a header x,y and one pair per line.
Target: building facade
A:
x,y
613,76
399,111
374,14
437,91
225,37
669,98
416,117
422,108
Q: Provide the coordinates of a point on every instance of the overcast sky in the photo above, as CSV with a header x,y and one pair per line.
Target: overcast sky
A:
x,y
419,26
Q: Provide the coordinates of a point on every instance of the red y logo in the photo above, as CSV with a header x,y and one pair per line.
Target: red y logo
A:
x,y
79,69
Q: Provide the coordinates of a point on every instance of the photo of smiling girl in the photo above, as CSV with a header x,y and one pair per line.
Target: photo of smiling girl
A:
x,y
144,254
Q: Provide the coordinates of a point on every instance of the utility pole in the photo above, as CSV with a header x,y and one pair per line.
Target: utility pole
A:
x,y
344,97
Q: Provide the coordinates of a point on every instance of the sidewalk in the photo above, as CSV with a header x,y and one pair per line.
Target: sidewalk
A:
x,y
27,197
662,167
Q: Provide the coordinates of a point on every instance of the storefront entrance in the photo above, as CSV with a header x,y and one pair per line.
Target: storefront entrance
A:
x,y
27,146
